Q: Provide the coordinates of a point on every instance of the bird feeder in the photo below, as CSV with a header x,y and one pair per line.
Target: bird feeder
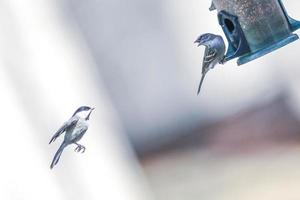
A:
x,y
254,28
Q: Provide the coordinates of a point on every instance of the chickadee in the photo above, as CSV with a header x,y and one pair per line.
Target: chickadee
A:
x,y
214,53
75,128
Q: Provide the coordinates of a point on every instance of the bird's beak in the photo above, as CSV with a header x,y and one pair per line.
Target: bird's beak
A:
x,y
92,110
88,117
199,41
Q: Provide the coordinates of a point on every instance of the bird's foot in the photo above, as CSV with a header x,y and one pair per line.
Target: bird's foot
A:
x,y
79,148
223,61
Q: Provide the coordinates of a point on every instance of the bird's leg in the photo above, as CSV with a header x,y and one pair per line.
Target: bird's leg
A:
x,y
223,61
79,148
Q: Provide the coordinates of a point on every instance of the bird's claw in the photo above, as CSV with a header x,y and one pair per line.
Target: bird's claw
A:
x,y
79,148
223,61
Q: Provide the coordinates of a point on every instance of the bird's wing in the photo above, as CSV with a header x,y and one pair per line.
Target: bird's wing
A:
x,y
209,55
67,125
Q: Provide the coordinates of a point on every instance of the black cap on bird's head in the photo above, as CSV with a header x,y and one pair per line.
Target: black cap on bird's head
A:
x,y
83,109
204,38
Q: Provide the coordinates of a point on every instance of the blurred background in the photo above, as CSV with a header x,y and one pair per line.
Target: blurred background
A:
x,y
151,136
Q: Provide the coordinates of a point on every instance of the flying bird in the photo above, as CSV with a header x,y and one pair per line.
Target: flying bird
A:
x,y
214,53
74,129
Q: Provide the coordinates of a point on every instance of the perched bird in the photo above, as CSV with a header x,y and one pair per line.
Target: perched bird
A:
x,y
214,53
75,128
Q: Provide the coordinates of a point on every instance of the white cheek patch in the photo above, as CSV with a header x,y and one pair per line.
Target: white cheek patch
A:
x,y
83,114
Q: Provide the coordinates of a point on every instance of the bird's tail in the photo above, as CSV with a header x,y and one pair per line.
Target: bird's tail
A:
x,y
57,155
201,81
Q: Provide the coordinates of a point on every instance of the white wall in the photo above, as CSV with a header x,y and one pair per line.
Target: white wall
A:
x,y
45,74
